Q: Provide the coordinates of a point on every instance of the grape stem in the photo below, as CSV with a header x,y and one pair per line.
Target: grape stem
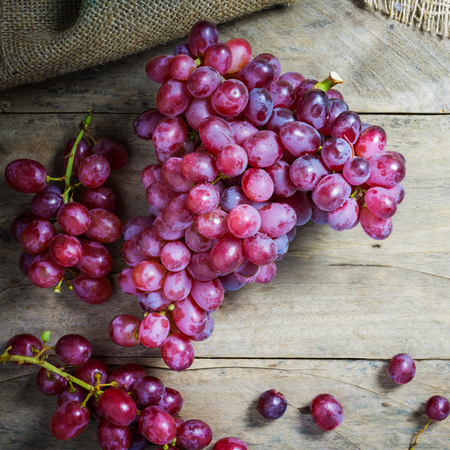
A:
x,y
39,361
418,434
332,80
71,156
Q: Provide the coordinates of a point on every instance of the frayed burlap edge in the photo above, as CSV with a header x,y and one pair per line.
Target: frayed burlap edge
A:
x,y
430,15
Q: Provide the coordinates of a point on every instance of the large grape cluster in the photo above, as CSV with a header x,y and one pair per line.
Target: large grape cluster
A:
x,y
245,155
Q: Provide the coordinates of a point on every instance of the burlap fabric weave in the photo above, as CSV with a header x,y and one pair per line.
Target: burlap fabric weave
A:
x,y
44,38
430,15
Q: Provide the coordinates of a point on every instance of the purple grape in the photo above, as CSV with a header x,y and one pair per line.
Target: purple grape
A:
x,y
203,34
148,390
105,226
20,223
347,126
344,217
126,375
146,123
101,197
313,108
272,404
45,204
195,434
73,393
356,171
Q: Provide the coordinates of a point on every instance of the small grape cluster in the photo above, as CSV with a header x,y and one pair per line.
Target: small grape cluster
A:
x,y
132,408
326,410
46,253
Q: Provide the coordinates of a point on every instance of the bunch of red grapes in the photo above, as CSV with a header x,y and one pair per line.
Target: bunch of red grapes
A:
x,y
242,162
132,407
47,252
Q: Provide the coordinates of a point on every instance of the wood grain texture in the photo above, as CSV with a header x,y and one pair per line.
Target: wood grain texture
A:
x,y
336,295
387,66
378,414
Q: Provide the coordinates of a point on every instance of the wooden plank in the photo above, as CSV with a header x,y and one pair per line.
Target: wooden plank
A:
x,y
387,66
337,295
378,415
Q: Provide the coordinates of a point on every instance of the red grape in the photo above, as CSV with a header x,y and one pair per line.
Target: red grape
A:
x,y
149,276
172,402
227,255
124,330
73,349
117,407
113,437
44,272
25,175
37,236
173,97
277,219
69,420
326,412
437,408
230,98
105,226
402,368
175,256
126,375
74,218
157,425
230,443
92,290
101,197
24,345
170,134
153,330
157,68
177,352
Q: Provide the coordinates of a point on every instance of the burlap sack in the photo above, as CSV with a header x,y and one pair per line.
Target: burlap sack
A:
x,y
430,15
44,38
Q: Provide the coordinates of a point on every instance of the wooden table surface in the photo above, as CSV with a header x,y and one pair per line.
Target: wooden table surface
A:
x,y
342,304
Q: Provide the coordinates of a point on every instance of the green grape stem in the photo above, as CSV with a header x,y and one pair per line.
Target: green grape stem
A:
x,y
418,434
332,80
69,171
39,361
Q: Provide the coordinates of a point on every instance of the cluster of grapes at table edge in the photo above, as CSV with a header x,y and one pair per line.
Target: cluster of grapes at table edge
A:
x,y
326,410
47,254
263,153
132,408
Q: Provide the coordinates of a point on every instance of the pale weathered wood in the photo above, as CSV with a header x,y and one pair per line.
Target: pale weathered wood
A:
x,y
339,295
386,66
378,414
